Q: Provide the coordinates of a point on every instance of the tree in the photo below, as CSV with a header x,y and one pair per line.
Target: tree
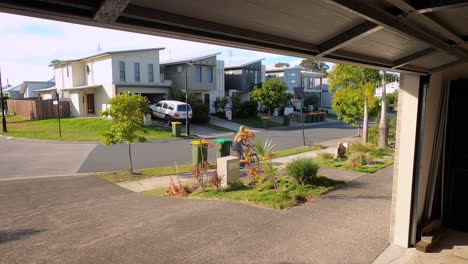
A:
x,y
126,111
383,124
271,93
315,66
362,80
54,62
281,64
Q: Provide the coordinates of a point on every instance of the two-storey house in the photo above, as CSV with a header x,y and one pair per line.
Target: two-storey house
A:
x,y
90,82
202,76
296,76
242,78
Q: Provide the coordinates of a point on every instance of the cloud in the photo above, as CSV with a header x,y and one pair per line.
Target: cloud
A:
x,y
29,44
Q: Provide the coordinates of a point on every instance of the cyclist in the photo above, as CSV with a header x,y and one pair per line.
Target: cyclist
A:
x,y
240,140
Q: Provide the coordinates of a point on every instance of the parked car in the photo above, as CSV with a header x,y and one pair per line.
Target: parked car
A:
x,y
171,110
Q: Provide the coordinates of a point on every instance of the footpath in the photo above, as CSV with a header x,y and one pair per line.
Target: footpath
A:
x,y
330,147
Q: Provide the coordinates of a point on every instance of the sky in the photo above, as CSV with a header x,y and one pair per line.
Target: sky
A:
x,y
29,44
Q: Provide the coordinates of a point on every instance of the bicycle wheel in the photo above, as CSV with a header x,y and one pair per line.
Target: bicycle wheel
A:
x,y
254,161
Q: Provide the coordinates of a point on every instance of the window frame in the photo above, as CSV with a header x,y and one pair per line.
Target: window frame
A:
x,y
150,72
198,74
122,71
136,68
209,69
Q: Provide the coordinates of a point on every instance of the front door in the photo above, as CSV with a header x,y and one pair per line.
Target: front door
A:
x,y
90,103
207,99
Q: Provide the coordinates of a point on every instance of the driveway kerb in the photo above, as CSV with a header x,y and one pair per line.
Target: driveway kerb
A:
x,y
49,176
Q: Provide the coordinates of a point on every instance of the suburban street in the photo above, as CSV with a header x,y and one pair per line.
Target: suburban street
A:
x,y
166,153
30,158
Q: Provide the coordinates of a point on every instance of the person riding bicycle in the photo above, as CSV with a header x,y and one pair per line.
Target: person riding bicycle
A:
x,y
240,140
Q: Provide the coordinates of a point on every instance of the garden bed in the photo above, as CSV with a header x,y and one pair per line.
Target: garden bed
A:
x,y
264,194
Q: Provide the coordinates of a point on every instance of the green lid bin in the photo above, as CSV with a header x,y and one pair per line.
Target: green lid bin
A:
x,y
223,147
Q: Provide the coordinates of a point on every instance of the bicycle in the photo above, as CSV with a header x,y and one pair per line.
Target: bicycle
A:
x,y
251,156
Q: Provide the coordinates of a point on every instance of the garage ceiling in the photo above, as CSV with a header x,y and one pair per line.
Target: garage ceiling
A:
x,y
409,36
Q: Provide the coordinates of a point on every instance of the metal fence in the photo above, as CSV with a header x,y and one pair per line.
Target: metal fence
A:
x,y
37,109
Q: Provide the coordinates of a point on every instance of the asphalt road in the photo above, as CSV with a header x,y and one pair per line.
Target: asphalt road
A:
x,y
86,219
168,152
28,158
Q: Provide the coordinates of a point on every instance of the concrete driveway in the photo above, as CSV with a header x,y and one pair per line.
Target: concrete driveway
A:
x,y
85,219
29,158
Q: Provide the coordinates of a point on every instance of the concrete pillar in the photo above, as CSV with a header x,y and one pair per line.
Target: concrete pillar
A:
x,y
404,159
228,168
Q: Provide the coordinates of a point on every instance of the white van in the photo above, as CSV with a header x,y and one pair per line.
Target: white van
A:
x,y
171,110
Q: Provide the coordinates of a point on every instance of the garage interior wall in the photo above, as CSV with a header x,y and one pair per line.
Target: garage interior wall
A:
x,y
405,154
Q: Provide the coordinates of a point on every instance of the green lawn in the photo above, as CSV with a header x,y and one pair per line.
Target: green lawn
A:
x,y
382,158
292,151
121,176
255,122
75,129
291,193
219,128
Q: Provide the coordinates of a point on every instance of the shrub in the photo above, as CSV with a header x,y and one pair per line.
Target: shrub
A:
x,y
220,105
360,147
360,158
236,105
303,170
312,99
236,186
324,156
201,113
249,109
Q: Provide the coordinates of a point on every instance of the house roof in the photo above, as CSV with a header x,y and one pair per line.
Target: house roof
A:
x,y
34,85
13,88
308,73
240,65
283,69
104,54
82,87
188,60
50,89
406,36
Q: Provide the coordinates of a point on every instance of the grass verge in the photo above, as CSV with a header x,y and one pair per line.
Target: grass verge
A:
x,y
291,193
255,122
121,176
73,129
292,151
219,128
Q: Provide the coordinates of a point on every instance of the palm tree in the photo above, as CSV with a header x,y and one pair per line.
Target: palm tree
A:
x,y
383,124
361,79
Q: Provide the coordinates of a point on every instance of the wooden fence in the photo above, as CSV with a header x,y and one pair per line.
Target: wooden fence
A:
x,y
36,109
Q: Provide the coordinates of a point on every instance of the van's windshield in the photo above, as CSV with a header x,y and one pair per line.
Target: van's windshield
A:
x,y
181,108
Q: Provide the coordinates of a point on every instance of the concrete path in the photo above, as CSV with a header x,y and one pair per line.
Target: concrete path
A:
x,y
27,158
89,220
186,178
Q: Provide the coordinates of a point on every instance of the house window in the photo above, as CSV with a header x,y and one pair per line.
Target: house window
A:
x,y
150,73
293,74
178,69
255,76
293,81
209,74
137,71
68,73
122,71
198,73
87,69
